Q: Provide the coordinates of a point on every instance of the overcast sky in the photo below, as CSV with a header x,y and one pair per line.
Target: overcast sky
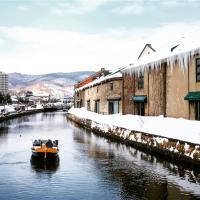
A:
x,y
44,36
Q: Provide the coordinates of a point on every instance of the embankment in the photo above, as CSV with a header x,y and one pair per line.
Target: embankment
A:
x,y
180,152
19,114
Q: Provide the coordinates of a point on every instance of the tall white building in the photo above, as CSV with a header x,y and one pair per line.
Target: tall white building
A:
x,y
3,83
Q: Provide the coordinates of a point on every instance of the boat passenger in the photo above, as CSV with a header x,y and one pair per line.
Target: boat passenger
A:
x,y
36,143
55,143
49,144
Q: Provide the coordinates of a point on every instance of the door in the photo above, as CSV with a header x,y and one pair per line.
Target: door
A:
x,y
140,109
113,107
197,110
96,109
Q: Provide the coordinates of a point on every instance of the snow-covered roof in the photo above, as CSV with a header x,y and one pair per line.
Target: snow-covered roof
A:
x,y
116,74
182,52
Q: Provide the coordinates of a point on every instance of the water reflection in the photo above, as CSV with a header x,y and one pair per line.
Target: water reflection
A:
x,y
48,115
137,175
41,166
4,129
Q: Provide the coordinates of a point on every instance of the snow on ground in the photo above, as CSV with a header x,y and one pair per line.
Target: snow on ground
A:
x,y
180,129
8,108
11,108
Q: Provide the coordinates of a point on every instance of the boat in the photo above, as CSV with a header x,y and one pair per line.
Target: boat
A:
x,y
45,149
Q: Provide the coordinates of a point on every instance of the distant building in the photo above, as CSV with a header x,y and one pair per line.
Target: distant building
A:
x,y
3,83
14,99
68,99
102,72
29,94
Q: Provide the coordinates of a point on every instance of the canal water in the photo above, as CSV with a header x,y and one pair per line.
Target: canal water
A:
x,y
89,167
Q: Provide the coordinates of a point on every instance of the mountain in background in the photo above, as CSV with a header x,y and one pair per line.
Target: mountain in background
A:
x,y
53,83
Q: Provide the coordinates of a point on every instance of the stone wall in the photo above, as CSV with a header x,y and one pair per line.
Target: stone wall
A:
x,y
20,114
181,152
156,92
79,99
154,89
177,89
128,92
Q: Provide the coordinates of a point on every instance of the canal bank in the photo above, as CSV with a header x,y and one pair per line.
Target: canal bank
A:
x,y
19,114
177,151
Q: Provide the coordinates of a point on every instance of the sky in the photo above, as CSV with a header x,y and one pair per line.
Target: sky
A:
x,y
46,36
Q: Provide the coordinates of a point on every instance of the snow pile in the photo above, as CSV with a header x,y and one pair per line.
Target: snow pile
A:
x,y
8,109
180,129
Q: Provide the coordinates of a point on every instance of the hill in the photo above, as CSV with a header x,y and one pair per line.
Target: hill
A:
x,y
53,83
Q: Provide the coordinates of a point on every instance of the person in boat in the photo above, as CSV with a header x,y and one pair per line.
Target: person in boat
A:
x,y
49,144
36,143
55,143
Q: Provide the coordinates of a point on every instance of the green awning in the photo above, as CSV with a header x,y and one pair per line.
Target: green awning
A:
x,y
192,96
139,98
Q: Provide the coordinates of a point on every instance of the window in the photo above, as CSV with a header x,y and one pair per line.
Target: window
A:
x,y
113,107
141,81
197,110
77,104
111,86
198,69
88,105
81,103
96,106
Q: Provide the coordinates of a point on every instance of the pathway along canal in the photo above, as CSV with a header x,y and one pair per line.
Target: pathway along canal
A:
x,y
90,167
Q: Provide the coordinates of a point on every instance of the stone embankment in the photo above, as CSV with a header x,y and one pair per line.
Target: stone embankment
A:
x,y
19,114
177,151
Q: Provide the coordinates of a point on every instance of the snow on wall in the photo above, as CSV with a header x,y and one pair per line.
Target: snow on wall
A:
x,y
174,135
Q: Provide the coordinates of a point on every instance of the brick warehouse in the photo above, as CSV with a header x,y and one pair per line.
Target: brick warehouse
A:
x,y
169,86
156,84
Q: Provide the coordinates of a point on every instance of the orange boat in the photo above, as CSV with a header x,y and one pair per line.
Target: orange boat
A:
x,y
45,148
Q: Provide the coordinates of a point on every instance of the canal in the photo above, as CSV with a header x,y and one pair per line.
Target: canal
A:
x,y
90,167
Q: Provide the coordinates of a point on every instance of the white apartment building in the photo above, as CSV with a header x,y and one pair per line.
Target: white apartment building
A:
x,y
3,83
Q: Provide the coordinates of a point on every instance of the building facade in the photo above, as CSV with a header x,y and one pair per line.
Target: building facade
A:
x,y
103,95
3,83
167,85
172,89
